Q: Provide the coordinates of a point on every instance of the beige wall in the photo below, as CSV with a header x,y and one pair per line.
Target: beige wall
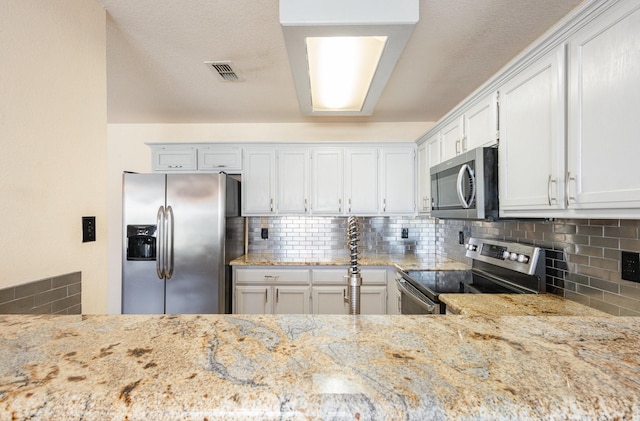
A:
x,y
53,133
128,152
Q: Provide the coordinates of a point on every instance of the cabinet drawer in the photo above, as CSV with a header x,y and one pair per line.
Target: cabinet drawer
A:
x,y
220,158
293,276
337,276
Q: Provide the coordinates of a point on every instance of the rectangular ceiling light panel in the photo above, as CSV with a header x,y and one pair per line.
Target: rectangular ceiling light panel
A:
x,y
341,70
344,47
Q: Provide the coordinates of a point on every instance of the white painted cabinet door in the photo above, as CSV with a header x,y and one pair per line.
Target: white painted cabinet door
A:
x,y
452,135
291,299
603,120
424,179
253,299
259,181
327,181
220,158
361,181
531,148
329,299
481,124
173,158
397,181
293,181
373,299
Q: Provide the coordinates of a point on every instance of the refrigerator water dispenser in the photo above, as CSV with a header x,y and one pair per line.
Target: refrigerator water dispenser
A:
x,y
141,242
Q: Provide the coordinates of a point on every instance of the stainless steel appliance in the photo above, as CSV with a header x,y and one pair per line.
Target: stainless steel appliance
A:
x,y
466,187
497,268
180,233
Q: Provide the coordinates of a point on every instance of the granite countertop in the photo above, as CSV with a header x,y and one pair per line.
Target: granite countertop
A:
x,y
516,305
195,367
400,261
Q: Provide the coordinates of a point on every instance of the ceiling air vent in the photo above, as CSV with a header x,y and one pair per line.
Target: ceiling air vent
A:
x,y
224,70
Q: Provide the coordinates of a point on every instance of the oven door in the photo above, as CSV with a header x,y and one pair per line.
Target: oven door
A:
x,y
413,301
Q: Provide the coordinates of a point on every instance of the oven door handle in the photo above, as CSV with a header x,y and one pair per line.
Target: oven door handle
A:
x,y
416,295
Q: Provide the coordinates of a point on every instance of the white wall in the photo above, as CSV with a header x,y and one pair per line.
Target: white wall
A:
x,y
53,132
128,152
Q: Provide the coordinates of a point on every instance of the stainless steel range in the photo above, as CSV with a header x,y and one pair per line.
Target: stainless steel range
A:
x,y
497,268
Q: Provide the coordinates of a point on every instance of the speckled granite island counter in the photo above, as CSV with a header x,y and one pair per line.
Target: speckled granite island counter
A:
x,y
516,305
319,367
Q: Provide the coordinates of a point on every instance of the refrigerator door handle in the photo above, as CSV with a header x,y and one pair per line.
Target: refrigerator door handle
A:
x,y
169,244
160,217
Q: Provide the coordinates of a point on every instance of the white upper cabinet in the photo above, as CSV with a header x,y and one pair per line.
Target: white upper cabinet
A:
x,y
327,181
220,158
361,181
451,136
172,158
480,124
293,181
531,149
424,179
259,181
397,179
603,120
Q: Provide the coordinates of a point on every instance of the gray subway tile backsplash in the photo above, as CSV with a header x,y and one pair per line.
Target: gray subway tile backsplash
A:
x,y
582,256
56,295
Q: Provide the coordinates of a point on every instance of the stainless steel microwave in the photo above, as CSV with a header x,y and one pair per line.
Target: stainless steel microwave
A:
x,y
466,187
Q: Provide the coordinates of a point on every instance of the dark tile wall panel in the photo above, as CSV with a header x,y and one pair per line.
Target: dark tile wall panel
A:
x,y
57,295
582,256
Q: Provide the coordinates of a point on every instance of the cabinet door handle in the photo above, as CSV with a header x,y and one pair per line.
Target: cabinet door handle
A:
x,y
305,205
569,198
271,205
266,295
464,144
384,205
550,181
349,205
457,146
339,205
277,295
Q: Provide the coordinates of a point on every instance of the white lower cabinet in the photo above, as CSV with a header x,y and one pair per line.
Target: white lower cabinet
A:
x,y
329,299
271,291
373,299
261,290
252,299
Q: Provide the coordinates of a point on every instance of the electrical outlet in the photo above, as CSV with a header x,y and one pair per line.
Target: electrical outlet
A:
x,y
405,233
264,233
88,229
630,264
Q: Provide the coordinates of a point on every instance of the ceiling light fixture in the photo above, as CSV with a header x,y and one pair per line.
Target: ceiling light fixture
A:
x,y
342,52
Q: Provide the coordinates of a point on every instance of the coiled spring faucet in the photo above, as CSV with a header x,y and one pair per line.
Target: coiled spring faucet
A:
x,y
354,279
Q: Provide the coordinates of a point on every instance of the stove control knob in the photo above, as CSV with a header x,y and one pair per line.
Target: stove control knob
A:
x,y
523,259
513,256
506,255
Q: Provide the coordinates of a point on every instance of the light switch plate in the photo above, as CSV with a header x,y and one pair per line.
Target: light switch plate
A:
x,y
630,266
88,229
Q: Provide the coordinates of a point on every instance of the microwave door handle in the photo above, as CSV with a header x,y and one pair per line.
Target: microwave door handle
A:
x,y
460,184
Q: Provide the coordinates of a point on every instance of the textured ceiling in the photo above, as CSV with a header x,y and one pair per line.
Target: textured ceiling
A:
x,y
156,50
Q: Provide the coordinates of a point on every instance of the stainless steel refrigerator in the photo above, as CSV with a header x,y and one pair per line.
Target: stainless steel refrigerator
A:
x,y
180,231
